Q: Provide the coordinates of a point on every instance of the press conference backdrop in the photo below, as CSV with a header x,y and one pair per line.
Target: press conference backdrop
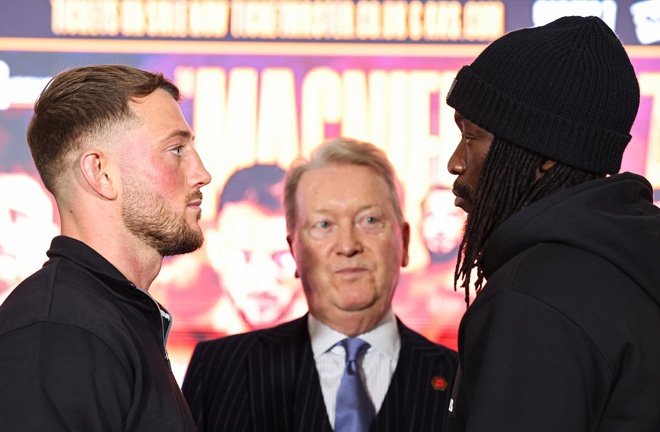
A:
x,y
264,82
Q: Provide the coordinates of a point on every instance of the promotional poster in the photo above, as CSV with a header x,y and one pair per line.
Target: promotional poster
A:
x,y
263,83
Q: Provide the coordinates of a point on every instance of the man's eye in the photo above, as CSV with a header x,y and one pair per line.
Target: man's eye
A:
x,y
321,229
371,223
177,150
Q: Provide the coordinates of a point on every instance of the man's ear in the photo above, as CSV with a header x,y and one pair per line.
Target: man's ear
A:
x,y
289,241
94,167
405,234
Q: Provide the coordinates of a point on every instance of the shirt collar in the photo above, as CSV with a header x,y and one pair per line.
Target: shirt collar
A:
x,y
384,337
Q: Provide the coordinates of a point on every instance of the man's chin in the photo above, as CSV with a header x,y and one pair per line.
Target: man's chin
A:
x,y
463,204
189,244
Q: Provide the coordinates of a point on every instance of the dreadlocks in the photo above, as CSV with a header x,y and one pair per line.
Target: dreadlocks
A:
x,y
508,183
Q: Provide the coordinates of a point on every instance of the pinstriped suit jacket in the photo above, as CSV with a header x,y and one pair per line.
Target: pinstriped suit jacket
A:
x,y
266,380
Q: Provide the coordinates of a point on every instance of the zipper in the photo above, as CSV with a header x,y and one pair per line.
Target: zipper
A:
x,y
164,333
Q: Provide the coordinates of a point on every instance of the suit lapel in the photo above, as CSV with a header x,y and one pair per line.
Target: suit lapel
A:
x,y
271,375
310,413
285,392
417,397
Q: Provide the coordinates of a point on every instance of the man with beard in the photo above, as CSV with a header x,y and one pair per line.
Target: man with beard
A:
x,y
82,343
564,336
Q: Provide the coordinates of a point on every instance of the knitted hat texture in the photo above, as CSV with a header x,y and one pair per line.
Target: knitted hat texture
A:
x,y
565,90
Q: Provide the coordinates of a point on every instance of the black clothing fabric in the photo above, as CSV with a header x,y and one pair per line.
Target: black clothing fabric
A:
x,y
83,349
565,335
565,90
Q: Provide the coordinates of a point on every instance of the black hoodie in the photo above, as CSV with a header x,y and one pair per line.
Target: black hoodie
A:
x,y
565,335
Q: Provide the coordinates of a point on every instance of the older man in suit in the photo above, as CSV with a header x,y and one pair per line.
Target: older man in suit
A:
x,y
349,364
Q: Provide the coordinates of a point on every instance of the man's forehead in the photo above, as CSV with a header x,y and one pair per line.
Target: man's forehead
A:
x,y
460,119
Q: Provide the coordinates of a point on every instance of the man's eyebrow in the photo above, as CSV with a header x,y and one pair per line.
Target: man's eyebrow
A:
x,y
369,207
179,133
458,118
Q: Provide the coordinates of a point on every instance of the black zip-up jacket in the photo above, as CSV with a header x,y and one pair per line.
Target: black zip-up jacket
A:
x,y
565,335
83,349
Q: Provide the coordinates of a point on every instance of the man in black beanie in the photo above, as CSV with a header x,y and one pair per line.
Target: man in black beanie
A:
x,y
565,336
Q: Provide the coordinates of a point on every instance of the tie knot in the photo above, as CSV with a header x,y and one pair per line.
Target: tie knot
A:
x,y
354,347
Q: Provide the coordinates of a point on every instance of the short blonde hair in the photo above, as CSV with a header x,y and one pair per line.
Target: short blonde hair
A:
x,y
339,151
81,102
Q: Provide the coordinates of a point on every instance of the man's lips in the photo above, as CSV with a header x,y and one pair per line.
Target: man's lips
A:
x,y
195,200
460,201
350,270
195,204
456,192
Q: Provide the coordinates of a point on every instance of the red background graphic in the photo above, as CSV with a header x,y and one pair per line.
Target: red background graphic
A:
x,y
262,85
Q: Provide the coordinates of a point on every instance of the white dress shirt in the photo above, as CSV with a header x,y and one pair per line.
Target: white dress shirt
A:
x,y
377,365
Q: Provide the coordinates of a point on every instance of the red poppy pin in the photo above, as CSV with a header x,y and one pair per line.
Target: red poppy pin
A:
x,y
439,383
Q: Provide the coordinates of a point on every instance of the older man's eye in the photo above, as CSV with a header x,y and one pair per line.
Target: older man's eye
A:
x,y
321,229
322,225
371,223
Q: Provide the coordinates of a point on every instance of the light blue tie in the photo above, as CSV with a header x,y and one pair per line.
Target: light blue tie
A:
x,y
354,410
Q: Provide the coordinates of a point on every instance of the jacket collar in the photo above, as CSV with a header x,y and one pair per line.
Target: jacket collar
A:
x,y
64,247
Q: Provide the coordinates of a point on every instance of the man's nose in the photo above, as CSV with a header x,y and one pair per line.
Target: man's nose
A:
x,y
348,240
456,164
199,176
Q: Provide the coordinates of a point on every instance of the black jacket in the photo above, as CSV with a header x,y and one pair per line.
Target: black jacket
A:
x,y
82,349
565,336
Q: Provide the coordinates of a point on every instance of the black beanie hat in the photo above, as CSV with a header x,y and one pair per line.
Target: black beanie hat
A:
x,y
565,90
